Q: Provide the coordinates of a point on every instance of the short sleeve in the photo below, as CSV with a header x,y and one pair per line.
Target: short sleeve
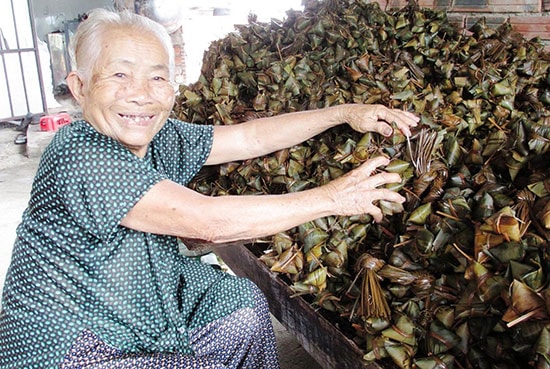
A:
x,y
180,149
93,181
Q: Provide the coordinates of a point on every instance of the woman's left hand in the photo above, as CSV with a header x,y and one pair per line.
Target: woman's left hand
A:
x,y
377,118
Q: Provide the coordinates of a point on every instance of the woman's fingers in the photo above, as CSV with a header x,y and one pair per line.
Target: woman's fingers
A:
x,y
404,120
383,178
378,195
380,119
371,165
359,190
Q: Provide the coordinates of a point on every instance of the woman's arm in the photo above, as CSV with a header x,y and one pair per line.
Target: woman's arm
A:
x,y
266,135
169,208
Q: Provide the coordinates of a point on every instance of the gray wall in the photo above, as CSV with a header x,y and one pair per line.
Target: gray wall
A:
x,y
49,15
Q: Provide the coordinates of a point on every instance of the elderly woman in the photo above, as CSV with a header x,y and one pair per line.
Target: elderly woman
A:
x,y
96,279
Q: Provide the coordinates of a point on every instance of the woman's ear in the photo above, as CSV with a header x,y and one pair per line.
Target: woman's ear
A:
x,y
76,85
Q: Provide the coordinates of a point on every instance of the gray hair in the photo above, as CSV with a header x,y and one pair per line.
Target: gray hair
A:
x,y
85,47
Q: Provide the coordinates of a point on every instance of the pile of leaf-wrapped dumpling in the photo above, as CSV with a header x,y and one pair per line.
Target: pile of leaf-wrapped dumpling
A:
x,y
457,277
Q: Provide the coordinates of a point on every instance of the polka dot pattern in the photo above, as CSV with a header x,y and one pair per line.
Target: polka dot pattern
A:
x,y
76,271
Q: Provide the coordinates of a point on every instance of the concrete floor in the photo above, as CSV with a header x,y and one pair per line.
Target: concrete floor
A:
x,y
18,164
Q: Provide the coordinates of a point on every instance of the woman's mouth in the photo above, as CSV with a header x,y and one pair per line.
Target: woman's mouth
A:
x,y
140,119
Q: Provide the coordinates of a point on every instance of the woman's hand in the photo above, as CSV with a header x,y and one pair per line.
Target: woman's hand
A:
x,y
376,118
357,191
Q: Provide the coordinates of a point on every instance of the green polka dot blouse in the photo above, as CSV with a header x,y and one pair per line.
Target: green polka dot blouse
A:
x,y
74,268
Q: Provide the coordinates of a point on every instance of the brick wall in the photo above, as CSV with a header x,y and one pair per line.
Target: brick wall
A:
x,y
530,17
179,53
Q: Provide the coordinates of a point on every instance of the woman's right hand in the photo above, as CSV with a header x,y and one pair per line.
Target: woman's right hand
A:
x,y
357,191
376,118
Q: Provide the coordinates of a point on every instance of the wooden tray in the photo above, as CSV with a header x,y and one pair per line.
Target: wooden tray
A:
x,y
326,344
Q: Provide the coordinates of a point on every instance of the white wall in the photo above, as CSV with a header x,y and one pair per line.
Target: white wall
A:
x,y
200,27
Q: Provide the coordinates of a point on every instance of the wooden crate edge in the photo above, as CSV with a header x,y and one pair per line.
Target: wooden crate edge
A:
x,y
328,346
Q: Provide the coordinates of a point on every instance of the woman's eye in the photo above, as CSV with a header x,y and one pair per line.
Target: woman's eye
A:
x,y
120,75
159,78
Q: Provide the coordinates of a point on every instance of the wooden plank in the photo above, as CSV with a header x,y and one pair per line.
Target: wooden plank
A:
x,y
327,345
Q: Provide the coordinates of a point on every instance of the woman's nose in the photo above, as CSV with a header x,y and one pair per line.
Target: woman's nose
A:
x,y
139,90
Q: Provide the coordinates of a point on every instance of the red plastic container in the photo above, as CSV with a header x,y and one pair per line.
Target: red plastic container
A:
x,y
54,122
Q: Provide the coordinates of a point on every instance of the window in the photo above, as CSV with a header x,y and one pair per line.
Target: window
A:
x,y
20,77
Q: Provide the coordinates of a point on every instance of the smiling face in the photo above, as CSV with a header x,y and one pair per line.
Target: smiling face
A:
x,y
129,95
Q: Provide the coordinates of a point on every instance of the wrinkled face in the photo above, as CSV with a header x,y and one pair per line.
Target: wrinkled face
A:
x,y
129,95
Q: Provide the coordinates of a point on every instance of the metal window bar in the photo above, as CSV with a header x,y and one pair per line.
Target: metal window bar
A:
x,y
4,50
